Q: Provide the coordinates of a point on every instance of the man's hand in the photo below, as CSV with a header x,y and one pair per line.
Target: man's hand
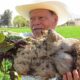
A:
x,y
75,75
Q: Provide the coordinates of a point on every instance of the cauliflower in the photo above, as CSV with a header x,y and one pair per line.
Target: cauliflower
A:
x,y
48,57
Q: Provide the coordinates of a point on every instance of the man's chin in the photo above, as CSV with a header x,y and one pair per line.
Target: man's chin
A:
x,y
39,33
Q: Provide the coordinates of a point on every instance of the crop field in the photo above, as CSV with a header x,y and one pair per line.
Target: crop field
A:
x,y
66,31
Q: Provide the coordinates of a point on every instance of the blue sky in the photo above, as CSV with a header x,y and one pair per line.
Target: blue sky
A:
x,y
73,5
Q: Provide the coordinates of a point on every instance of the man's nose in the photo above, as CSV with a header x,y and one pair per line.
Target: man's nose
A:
x,y
37,21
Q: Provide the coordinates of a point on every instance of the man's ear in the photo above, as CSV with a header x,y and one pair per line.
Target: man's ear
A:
x,y
55,20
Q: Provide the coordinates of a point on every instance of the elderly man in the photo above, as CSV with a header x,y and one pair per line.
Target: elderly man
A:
x,y
46,15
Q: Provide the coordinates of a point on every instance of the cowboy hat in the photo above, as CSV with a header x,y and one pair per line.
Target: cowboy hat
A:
x,y
58,7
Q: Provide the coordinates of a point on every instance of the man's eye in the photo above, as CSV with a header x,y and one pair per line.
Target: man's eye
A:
x,y
42,18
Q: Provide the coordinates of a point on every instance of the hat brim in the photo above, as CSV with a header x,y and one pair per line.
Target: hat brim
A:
x,y
59,8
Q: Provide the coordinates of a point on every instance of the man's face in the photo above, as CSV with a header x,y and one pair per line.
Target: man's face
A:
x,y
42,19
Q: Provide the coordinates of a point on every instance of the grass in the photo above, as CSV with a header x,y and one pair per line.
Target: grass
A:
x,y
18,30
66,31
69,31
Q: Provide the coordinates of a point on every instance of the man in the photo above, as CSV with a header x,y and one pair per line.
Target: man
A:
x,y
46,15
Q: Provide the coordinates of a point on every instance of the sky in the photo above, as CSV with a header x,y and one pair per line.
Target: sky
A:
x,y
73,5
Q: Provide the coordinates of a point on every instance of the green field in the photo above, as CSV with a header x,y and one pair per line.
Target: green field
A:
x,y
66,31
69,31
23,29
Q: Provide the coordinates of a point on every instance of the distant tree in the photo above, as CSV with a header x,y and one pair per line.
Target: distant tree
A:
x,y
6,18
19,21
1,21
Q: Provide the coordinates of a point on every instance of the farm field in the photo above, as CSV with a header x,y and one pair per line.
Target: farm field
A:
x,y
66,31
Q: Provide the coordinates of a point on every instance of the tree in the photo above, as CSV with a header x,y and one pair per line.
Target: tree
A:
x,y
19,21
6,18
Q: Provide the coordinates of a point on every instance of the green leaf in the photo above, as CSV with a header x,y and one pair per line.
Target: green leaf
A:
x,y
5,46
2,37
19,77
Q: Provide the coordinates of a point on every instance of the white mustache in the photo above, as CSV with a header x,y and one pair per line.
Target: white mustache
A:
x,y
37,28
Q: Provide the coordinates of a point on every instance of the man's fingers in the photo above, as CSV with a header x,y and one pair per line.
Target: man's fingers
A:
x,y
79,72
76,75
68,76
64,77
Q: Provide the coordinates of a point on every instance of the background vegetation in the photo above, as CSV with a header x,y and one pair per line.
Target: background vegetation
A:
x,y
69,31
66,31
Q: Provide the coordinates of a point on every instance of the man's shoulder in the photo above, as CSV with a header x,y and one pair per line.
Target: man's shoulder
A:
x,y
58,35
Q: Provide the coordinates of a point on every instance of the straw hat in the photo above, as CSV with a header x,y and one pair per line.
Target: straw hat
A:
x,y
58,7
